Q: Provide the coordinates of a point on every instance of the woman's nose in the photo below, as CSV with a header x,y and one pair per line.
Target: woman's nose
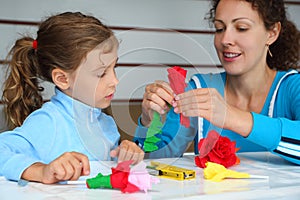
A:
x,y
227,38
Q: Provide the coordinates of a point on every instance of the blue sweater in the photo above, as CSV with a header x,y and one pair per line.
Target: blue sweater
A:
x,y
275,129
61,125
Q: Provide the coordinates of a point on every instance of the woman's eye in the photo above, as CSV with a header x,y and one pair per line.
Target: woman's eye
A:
x,y
219,30
242,29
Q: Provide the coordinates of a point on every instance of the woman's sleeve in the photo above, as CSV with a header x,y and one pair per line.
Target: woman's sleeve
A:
x,y
281,134
174,139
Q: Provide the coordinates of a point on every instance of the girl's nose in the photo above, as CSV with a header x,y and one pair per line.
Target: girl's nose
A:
x,y
115,80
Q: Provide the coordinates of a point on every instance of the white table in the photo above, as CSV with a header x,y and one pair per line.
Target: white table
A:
x,y
283,183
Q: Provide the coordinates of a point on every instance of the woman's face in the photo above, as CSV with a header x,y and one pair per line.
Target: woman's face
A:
x,y
240,38
95,81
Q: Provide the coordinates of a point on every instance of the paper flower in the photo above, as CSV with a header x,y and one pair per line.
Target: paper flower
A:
x,y
218,149
216,172
123,177
177,77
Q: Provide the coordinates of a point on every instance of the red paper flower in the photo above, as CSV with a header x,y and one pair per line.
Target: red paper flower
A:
x,y
218,149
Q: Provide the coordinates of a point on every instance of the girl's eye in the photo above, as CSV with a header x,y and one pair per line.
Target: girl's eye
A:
x,y
101,75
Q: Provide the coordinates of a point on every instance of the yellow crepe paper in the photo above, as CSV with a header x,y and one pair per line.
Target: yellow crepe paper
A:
x,y
216,172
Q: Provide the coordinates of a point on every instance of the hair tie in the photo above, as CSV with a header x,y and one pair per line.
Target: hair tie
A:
x,y
34,44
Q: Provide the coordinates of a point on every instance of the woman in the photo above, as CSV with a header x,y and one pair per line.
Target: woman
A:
x,y
255,102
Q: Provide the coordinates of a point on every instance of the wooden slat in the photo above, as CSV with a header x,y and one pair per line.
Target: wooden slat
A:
x,y
119,28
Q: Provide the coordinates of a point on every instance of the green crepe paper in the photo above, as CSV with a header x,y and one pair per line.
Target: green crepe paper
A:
x,y
99,181
154,128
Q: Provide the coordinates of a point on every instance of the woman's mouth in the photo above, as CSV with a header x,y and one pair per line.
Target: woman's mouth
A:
x,y
230,56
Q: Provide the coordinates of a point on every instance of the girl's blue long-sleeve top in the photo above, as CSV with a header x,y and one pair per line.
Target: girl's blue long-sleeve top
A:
x,y
60,125
278,133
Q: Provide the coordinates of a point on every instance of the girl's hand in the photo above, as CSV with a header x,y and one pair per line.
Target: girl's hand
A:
x,y
155,98
128,151
69,166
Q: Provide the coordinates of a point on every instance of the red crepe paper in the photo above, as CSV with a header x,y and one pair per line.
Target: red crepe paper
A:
x,y
119,178
217,149
177,77
125,178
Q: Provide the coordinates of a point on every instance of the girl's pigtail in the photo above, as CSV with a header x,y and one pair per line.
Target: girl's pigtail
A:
x,y
21,94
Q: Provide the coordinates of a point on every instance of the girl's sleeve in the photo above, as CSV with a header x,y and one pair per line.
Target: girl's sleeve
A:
x,y
21,147
281,134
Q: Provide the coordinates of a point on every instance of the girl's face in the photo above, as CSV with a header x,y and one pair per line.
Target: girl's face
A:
x,y
95,81
240,38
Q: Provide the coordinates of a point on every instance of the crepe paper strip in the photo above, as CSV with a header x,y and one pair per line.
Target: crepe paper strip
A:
x,y
177,77
216,172
150,144
154,129
127,179
209,143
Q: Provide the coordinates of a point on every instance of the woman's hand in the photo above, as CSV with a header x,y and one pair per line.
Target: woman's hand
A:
x,y
68,166
209,104
203,102
128,151
157,96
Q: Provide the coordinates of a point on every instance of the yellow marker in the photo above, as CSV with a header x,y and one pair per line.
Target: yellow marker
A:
x,y
169,171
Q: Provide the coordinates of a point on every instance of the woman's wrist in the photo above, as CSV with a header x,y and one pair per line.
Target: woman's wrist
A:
x,y
240,122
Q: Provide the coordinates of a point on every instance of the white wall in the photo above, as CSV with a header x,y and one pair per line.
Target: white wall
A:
x,y
142,47
149,49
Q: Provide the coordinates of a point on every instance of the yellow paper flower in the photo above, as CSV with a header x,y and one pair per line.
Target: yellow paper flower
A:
x,y
216,172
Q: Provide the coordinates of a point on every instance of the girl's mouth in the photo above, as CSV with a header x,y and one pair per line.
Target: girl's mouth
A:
x,y
109,96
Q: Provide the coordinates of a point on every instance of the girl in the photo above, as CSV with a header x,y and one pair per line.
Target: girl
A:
x,y
54,141
255,102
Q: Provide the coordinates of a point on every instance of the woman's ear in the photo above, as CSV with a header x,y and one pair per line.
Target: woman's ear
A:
x,y
60,78
274,33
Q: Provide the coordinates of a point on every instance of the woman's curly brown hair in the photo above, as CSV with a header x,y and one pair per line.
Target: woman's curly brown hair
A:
x,y
285,49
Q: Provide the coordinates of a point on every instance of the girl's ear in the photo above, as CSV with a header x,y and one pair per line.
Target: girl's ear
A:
x,y
61,79
274,33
